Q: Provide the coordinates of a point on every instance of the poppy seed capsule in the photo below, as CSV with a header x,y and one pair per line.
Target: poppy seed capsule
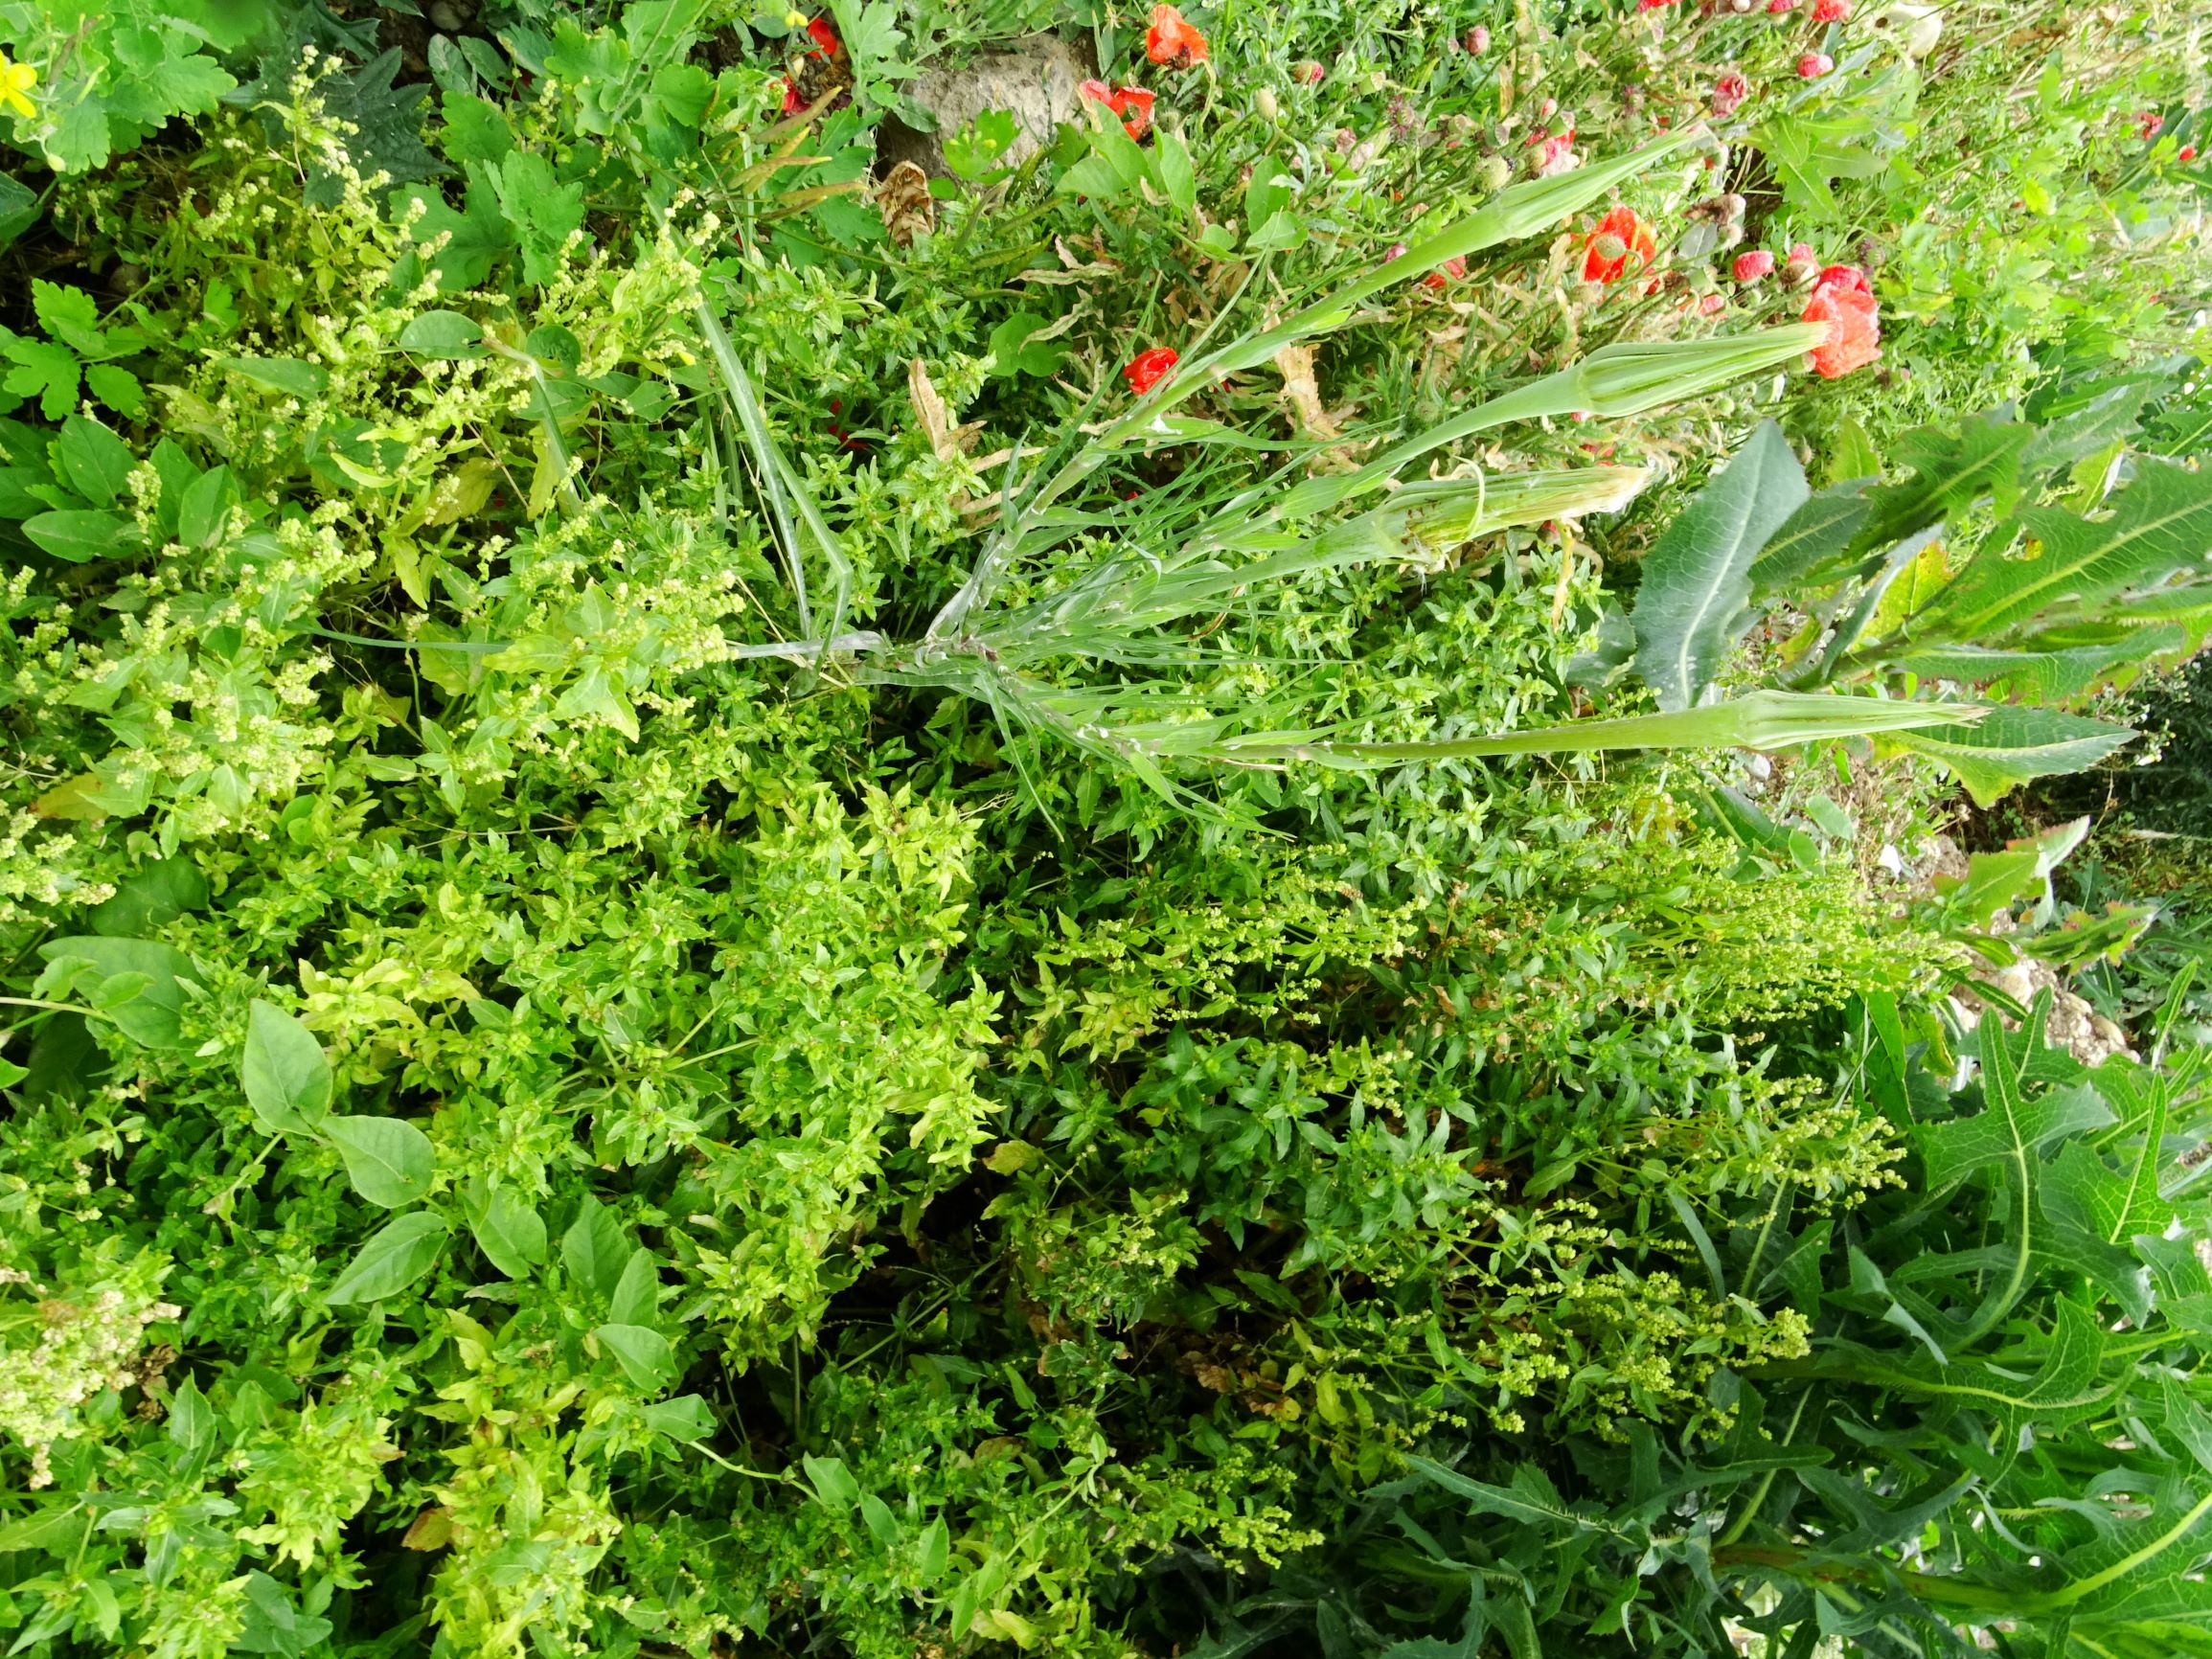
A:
x,y
1610,247
1494,173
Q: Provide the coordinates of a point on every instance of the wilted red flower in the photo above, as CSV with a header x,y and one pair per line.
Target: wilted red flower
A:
x,y
825,33
1854,322
1451,270
1751,266
1148,369
1729,91
1477,39
1831,10
1171,40
1133,103
1555,151
1815,64
1848,276
1620,236
1712,304
2150,123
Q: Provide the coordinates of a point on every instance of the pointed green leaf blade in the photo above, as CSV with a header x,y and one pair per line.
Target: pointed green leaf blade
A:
x,y
1696,580
2010,745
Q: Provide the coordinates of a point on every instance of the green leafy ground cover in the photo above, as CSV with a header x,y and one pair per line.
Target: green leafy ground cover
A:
x,y
1149,907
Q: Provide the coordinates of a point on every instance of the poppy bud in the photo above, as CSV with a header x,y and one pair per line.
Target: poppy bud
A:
x,y
1815,64
1751,266
1264,100
1494,172
1729,91
1477,40
1310,73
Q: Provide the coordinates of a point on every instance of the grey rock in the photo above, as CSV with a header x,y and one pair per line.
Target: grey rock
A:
x,y
1037,80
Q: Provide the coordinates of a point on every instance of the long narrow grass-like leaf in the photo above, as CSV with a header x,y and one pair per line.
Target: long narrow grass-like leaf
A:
x,y
1756,720
1621,379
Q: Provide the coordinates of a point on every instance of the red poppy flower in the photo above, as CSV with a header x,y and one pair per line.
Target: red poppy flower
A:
x,y
1148,369
1652,5
1854,326
1848,276
825,33
791,103
1815,64
1171,40
1751,266
1133,103
1452,271
1620,236
1776,8
1729,91
1831,10
2187,152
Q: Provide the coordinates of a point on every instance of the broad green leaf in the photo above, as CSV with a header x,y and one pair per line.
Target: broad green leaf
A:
x,y
508,1228
153,897
1178,177
78,536
392,1258
1808,151
2160,525
686,1417
2087,1206
1819,531
833,1482
2009,1130
2055,676
1696,583
390,1162
152,1014
443,335
637,1292
645,1354
933,1551
95,461
287,1075
287,375
1952,469
2010,745
205,507
594,1250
